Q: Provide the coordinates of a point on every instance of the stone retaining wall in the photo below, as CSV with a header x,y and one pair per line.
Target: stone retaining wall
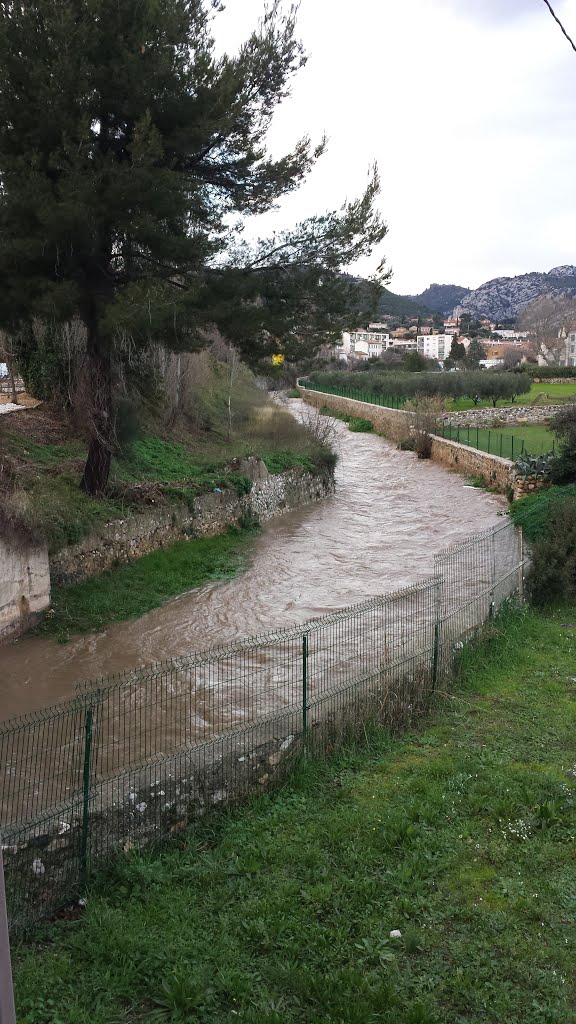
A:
x,y
24,587
396,424
393,423
206,516
517,414
524,485
493,470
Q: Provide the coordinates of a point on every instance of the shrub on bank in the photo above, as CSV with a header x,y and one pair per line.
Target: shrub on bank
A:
x,y
359,425
548,519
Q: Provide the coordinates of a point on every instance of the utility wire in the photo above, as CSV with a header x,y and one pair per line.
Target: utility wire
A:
x,y
558,22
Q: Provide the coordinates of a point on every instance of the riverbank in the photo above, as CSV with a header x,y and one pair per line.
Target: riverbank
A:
x,y
459,837
379,531
129,591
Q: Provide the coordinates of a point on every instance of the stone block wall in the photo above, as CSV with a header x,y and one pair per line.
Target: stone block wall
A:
x,y
24,587
524,485
493,470
509,416
395,425
206,516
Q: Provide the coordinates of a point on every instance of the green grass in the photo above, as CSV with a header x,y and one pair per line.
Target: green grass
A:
x,y
359,425
137,587
281,460
539,394
533,438
533,513
152,458
462,837
44,454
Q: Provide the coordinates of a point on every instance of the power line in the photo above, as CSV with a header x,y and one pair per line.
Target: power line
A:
x,y
558,22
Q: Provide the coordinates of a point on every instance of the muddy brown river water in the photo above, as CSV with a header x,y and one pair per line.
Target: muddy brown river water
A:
x,y
390,514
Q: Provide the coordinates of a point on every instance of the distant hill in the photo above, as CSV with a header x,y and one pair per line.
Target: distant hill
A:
x,y
441,298
401,305
504,298
384,302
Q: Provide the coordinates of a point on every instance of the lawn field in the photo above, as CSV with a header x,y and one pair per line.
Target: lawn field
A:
x,y
509,442
539,394
427,879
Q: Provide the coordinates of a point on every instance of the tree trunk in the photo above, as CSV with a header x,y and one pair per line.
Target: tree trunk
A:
x,y
13,396
99,368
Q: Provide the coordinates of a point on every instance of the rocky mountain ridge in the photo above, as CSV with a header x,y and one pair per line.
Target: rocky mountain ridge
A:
x,y
504,298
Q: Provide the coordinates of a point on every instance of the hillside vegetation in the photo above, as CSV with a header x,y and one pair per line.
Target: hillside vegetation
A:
x,y
164,452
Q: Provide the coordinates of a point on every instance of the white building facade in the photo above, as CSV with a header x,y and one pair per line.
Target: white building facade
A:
x,y
435,346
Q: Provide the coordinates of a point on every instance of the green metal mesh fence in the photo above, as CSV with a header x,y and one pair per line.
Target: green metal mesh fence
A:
x,y
135,757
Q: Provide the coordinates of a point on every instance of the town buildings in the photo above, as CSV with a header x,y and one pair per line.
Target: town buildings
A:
x,y
434,346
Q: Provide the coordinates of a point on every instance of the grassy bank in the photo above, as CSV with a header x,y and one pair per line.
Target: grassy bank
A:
x,y
460,837
43,456
131,590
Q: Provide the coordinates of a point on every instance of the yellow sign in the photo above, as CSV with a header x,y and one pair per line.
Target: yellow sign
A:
x,y
277,360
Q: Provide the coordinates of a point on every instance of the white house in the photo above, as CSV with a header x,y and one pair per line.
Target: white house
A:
x,y
435,346
363,343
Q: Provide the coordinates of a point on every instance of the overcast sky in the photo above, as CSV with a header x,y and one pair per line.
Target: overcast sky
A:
x,y
469,108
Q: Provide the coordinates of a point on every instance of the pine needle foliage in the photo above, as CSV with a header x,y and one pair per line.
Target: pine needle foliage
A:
x,y
128,150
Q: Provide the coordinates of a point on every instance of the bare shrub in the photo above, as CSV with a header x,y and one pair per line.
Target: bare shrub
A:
x,y
427,410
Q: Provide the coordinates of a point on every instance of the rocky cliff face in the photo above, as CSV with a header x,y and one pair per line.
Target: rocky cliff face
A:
x,y
504,298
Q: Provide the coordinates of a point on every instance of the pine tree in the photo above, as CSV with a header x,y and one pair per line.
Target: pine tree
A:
x,y
475,354
126,147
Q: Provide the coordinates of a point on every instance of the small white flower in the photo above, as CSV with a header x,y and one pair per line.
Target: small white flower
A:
x,y
38,867
395,934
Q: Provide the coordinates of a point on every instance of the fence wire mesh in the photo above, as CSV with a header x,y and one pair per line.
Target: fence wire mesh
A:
x,y
135,757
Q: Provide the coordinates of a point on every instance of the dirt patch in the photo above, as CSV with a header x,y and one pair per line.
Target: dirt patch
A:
x,y
38,423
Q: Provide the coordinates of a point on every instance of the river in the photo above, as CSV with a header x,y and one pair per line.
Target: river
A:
x,y
380,531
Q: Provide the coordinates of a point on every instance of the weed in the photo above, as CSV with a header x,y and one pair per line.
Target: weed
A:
x,y
359,425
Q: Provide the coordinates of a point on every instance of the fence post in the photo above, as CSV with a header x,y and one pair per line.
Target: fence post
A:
x,y
435,655
7,1009
305,692
521,568
88,729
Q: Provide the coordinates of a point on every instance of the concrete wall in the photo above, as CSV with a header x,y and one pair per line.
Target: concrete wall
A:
x,y
24,587
395,425
207,516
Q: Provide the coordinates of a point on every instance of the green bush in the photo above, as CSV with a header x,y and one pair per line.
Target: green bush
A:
x,y
481,384
358,425
534,513
552,576
548,519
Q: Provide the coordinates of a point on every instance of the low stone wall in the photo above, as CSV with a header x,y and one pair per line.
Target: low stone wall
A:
x,y
493,470
512,414
395,425
524,485
24,587
206,516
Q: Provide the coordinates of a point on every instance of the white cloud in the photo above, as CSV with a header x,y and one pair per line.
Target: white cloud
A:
x,y
469,108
